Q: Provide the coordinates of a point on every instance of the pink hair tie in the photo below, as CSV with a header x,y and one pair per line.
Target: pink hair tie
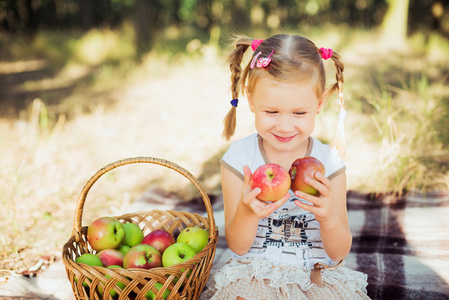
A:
x,y
255,44
326,53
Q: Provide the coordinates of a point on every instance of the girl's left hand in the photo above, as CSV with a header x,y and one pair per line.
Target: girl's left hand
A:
x,y
322,203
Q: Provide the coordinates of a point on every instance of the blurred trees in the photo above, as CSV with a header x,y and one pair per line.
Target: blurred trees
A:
x,y
149,16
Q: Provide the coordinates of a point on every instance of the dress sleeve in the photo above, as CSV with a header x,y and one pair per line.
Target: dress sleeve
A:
x,y
336,164
231,161
243,152
333,163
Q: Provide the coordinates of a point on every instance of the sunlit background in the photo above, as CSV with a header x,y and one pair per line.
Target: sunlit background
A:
x,y
85,83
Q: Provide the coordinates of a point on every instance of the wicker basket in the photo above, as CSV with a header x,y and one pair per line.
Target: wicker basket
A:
x,y
137,282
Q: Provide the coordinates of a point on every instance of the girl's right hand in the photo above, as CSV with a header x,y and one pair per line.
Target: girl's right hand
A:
x,y
259,208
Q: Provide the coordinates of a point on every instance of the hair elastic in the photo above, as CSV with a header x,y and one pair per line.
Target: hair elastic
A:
x,y
234,102
255,44
326,53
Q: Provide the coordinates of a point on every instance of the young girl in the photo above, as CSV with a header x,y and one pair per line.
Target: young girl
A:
x,y
292,248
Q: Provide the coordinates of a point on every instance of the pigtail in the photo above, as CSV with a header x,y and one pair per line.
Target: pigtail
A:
x,y
235,64
338,141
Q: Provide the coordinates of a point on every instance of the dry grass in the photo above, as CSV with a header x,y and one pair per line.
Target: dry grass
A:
x,y
44,166
173,112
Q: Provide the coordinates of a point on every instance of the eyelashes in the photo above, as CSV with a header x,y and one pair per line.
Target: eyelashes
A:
x,y
270,112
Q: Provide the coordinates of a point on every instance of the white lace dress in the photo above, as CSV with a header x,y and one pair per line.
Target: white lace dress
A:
x,y
257,279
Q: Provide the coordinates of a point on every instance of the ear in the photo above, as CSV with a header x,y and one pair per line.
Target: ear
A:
x,y
322,100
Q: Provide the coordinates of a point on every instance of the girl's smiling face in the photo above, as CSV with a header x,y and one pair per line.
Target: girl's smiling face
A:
x,y
284,114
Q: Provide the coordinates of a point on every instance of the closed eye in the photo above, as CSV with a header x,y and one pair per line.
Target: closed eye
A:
x,y
300,113
271,112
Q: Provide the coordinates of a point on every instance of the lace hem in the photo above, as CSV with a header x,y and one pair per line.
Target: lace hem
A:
x,y
280,275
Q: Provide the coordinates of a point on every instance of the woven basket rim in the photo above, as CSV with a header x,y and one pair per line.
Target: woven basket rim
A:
x,y
77,224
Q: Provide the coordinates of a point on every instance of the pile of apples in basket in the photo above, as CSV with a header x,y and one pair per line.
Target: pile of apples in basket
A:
x,y
120,245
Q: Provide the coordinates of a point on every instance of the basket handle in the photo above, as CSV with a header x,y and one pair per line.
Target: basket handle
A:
x,y
77,226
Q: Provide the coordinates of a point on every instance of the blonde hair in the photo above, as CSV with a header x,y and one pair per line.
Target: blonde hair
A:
x,y
295,58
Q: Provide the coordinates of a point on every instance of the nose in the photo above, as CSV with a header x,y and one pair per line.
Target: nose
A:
x,y
284,124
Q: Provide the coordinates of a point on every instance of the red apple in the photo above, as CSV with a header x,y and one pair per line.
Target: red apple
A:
x,y
302,168
110,257
105,233
273,180
142,256
195,237
159,239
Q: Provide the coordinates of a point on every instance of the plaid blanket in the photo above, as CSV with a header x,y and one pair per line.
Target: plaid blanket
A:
x,y
402,244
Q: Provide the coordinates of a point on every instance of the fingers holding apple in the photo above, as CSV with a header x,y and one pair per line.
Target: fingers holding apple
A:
x,y
273,181
303,172
320,183
321,204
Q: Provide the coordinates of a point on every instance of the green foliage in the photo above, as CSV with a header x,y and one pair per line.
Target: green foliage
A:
x,y
26,16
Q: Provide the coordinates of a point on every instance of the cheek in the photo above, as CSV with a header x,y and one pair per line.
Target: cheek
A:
x,y
263,121
306,123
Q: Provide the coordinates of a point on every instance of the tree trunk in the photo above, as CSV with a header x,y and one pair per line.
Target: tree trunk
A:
x,y
86,14
143,22
394,24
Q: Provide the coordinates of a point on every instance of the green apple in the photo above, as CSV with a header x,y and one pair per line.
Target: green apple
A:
x,y
124,249
151,295
196,237
105,233
133,234
90,260
119,283
176,254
